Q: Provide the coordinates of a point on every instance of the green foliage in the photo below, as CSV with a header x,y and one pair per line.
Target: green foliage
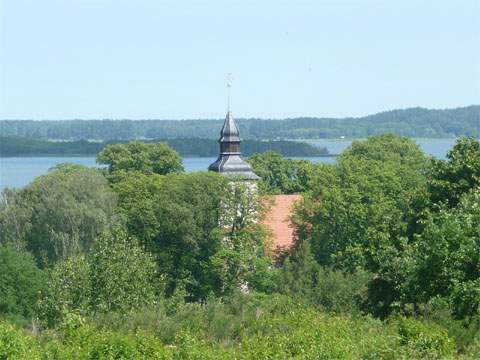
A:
x,y
18,146
116,275
137,203
450,179
447,257
68,290
15,217
80,340
242,262
59,214
16,344
302,277
466,334
279,175
122,275
20,283
259,327
426,341
383,209
184,246
380,232
249,327
198,226
360,208
241,206
138,156
360,213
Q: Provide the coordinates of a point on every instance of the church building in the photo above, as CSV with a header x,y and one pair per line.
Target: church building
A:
x,y
230,163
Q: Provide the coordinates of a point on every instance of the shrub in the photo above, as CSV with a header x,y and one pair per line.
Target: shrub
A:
x,y
425,341
15,344
76,339
275,328
20,283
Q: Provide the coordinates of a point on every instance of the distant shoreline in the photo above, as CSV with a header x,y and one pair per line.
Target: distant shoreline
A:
x,y
412,122
193,147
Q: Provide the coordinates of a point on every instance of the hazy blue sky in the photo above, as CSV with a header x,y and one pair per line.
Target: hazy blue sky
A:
x,y
169,59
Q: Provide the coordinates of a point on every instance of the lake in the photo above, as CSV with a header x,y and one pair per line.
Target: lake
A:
x,y
19,171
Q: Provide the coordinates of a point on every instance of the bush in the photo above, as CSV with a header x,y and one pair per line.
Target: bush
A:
x,y
15,344
264,328
425,342
276,327
20,283
77,339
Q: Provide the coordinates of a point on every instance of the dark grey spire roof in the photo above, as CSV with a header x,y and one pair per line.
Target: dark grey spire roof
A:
x,y
233,166
229,132
229,162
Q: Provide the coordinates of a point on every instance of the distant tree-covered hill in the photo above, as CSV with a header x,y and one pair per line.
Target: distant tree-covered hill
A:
x,y
414,122
185,147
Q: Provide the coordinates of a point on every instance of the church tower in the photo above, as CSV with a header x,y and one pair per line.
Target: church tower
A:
x,y
230,162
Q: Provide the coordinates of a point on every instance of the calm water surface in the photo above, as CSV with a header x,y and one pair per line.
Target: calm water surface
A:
x,y
435,147
19,171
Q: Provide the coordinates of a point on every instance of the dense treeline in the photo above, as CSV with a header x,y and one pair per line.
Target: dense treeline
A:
x,y
185,147
387,210
414,122
142,260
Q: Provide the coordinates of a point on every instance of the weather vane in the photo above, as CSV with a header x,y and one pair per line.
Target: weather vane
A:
x,y
229,85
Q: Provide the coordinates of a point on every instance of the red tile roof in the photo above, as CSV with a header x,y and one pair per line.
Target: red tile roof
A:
x,y
278,221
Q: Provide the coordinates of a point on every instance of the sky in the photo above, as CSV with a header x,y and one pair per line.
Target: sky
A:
x,y
146,59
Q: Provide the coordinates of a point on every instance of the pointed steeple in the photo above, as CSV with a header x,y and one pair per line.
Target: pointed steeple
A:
x,y
229,130
229,161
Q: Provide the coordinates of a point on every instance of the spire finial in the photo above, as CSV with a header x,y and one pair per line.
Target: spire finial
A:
x,y
229,85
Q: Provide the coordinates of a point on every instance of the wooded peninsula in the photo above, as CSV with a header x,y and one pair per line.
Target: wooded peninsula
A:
x,y
185,147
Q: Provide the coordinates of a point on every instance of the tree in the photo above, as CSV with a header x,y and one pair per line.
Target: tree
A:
x,y
361,212
142,157
61,213
299,274
451,178
241,207
122,275
177,218
67,290
279,175
15,217
198,226
20,283
137,203
447,257
363,205
116,275
302,277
